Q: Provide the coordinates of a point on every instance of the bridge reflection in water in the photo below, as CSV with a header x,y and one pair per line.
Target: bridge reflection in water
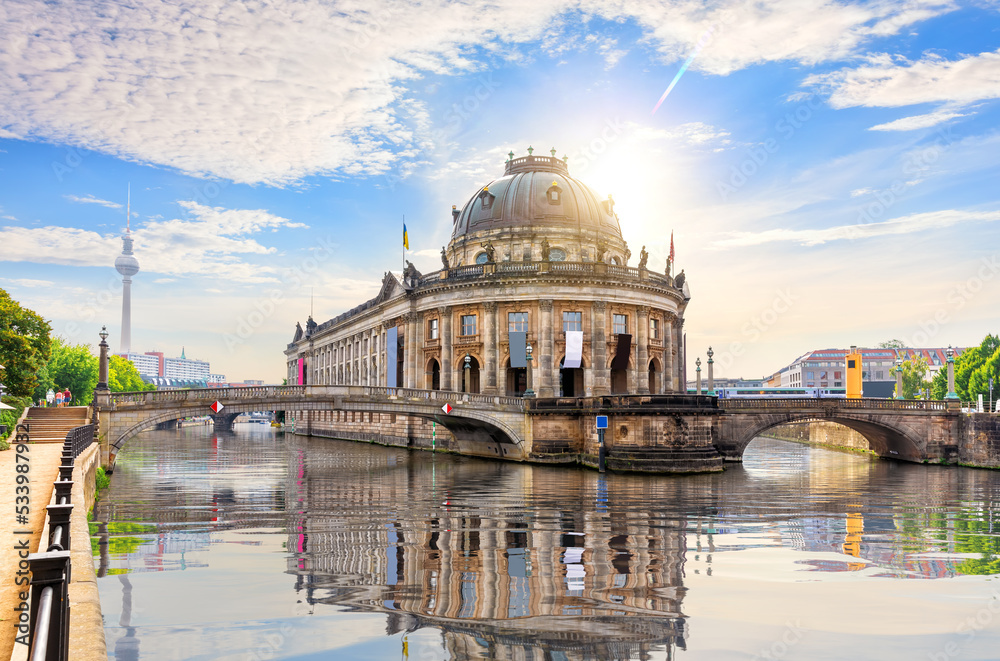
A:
x,y
503,577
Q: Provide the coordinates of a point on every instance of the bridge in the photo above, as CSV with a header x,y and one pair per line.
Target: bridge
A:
x,y
658,433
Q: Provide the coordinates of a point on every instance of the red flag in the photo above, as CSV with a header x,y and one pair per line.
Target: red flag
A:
x,y
671,245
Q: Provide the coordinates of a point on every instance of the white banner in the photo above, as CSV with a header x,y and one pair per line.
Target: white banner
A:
x,y
574,349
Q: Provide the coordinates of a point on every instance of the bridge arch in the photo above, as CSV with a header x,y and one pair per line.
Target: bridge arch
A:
x,y
884,438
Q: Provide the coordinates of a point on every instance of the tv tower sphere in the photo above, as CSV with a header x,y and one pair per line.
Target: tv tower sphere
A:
x,y
126,263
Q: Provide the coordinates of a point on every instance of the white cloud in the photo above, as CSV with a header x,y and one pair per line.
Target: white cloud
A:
x,y
27,282
281,92
905,225
917,121
90,199
211,241
888,82
736,34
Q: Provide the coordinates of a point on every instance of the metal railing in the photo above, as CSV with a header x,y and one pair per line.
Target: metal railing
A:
x,y
48,629
738,403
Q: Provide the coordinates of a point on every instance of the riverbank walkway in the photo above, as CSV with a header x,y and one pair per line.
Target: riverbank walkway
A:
x,y
43,453
43,469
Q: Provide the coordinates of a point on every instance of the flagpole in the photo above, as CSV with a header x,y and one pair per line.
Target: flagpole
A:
x,y
403,265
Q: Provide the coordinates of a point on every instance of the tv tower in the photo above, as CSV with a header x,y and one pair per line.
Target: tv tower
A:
x,y
127,265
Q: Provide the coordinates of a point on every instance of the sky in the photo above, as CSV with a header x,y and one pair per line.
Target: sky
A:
x,y
830,171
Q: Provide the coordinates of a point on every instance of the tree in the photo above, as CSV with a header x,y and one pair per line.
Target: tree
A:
x,y
891,344
973,367
124,377
73,366
25,346
914,370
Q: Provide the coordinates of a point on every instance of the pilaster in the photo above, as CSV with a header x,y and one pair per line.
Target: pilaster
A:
x,y
446,375
545,362
642,350
490,348
599,348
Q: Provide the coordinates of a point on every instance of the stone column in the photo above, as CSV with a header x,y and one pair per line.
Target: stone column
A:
x,y
667,337
899,378
545,359
642,350
490,348
711,373
411,349
599,348
680,377
446,375
418,351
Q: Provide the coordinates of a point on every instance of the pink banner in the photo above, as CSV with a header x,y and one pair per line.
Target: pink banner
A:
x,y
302,367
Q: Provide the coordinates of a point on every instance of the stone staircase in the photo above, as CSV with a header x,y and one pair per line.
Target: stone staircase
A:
x,y
50,425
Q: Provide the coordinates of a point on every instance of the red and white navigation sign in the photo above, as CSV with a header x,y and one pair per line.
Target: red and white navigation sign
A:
x,y
446,408
217,406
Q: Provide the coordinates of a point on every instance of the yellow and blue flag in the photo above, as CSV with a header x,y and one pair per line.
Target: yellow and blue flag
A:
x,y
406,238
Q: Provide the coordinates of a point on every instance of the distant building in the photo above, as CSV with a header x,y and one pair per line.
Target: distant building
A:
x,y
217,378
155,364
253,382
825,368
186,368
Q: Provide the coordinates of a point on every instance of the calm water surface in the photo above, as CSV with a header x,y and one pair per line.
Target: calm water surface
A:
x,y
257,545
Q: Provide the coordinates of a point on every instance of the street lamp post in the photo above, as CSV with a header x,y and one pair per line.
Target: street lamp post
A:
x,y
899,378
527,358
711,377
468,372
697,372
102,373
951,374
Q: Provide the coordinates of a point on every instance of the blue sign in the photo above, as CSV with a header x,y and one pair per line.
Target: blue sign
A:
x,y
602,422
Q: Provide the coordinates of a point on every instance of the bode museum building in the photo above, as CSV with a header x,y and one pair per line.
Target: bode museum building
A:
x,y
536,264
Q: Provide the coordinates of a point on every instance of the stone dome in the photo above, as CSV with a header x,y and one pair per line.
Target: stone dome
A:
x,y
536,192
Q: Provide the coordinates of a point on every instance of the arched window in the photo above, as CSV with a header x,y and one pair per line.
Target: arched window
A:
x,y
482,258
557,255
554,193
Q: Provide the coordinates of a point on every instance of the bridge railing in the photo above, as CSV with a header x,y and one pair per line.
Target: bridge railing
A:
x,y
130,399
204,394
442,396
822,402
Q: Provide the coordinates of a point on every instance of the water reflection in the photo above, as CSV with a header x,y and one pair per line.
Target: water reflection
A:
x,y
500,561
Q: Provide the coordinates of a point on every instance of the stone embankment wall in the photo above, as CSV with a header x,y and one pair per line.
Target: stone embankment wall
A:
x,y
820,433
370,427
86,625
980,442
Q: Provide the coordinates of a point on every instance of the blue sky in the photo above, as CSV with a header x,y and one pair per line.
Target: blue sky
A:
x,y
829,169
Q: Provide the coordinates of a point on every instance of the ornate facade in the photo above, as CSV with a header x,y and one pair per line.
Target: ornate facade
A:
x,y
534,251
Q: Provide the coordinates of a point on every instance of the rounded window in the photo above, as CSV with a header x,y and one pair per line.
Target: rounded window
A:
x,y
557,255
482,258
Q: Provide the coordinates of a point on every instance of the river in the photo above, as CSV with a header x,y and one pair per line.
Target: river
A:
x,y
259,545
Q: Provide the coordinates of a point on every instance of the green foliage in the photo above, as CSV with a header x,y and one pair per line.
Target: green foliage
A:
x,y
73,366
973,369
124,377
914,370
24,346
9,417
102,480
891,344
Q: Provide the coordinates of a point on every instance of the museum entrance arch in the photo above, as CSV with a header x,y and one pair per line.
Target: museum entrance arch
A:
x,y
570,380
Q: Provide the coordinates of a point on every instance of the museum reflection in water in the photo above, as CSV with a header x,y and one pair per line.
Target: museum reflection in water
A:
x,y
513,561
503,577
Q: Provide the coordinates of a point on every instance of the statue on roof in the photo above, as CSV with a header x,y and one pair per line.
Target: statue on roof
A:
x,y
643,257
628,255
546,249
491,252
602,247
444,259
679,280
298,332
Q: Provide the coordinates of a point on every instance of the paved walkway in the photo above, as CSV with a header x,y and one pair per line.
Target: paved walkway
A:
x,y
43,463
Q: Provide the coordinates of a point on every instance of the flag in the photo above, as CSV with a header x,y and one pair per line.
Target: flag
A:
x,y
406,238
671,246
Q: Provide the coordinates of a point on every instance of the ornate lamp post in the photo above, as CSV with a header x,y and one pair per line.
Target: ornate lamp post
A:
x,y
468,372
102,374
527,357
951,374
899,378
697,371
711,378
